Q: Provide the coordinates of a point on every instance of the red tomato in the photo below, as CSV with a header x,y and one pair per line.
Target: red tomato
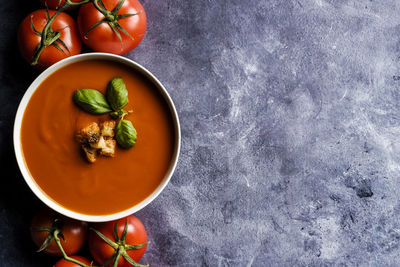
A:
x,y
55,4
65,263
28,39
103,38
74,232
136,235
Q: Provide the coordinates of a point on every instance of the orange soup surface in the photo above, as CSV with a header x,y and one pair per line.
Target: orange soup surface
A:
x,y
54,157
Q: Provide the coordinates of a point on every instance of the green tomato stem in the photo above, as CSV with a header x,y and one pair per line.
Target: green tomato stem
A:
x,y
70,3
115,264
65,256
48,37
120,247
111,18
37,53
100,9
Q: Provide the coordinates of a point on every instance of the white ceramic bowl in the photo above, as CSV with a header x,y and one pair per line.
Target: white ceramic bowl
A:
x,y
17,136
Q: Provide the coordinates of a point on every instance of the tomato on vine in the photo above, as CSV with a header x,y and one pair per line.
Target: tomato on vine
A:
x,y
113,26
65,263
46,36
48,226
55,4
118,243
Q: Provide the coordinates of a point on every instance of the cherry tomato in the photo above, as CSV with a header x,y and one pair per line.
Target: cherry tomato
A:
x,y
55,4
136,235
103,37
73,231
65,263
28,39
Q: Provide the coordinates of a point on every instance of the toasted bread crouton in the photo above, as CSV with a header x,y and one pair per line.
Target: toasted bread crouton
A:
x,y
89,134
97,140
99,144
109,149
90,153
107,128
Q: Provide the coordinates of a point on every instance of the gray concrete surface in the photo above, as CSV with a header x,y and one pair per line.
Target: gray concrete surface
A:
x,y
290,115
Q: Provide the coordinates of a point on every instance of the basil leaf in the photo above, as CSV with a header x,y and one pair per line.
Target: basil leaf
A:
x,y
117,95
91,101
118,114
125,134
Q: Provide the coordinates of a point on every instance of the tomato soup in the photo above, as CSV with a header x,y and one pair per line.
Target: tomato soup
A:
x,y
54,157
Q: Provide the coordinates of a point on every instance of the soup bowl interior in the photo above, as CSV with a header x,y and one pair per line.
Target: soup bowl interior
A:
x,y
19,149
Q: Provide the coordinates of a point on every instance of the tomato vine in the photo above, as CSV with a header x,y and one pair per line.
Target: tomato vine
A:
x,y
48,36
111,18
120,246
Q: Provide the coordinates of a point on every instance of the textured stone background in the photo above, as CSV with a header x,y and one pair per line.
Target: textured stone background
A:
x,y
290,115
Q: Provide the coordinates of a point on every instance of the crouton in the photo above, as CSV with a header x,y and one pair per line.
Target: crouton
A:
x,y
99,144
90,153
95,141
89,134
109,149
107,128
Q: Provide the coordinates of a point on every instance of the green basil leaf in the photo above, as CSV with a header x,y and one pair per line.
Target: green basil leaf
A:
x,y
125,134
92,101
117,95
118,114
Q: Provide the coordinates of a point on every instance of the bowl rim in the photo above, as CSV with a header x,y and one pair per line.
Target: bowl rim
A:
x,y
18,147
